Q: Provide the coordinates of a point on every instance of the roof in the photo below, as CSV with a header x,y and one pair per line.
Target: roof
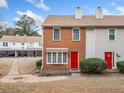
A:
x,y
21,38
85,21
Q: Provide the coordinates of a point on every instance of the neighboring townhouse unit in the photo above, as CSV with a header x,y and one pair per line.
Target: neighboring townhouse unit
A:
x,y
69,39
20,46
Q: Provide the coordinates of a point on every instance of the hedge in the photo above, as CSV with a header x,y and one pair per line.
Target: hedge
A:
x,y
120,66
39,64
93,65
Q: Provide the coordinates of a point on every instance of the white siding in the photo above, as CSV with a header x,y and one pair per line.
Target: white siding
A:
x,y
97,41
104,45
19,46
90,43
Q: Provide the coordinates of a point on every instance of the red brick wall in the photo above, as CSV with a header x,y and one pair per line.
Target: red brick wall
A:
x,y
66,42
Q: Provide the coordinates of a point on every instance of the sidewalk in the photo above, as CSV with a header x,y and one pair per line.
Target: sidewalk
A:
x,y
14,69
30,79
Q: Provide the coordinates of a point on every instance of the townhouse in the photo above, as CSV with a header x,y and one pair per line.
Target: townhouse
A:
x,y
69,39
20,46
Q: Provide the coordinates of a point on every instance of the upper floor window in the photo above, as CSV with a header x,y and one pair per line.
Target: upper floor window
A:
x,y
5,44
56,34
13,43
112,34
40,44
76,34
22,44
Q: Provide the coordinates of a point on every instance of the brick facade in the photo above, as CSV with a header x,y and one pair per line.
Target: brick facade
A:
x,y
65,42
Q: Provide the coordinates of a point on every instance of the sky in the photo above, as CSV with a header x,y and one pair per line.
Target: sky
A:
x,y
10,10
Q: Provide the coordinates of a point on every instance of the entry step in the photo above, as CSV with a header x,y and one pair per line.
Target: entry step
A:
x,y
112,70
75,71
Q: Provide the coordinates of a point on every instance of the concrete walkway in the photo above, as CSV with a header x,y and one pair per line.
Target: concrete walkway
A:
x,y
14,69
14,77
29,79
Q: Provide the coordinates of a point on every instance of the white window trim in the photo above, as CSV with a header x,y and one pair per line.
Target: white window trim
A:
x,y
57,49
115,34
73,33
56,59
53,33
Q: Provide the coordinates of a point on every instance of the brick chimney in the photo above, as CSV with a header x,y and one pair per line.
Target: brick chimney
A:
x,y
99,13
78,13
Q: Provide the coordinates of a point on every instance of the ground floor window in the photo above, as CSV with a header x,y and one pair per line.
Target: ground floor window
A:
x,y
57,57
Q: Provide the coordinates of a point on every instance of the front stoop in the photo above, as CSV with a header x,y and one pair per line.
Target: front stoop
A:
x,y
112,70
75,71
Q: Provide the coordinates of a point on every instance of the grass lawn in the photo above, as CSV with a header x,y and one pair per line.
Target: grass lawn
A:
x,y
5,68
75,85
27,66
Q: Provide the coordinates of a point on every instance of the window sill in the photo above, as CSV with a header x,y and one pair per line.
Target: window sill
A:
x,y
75,40
111,40
57,40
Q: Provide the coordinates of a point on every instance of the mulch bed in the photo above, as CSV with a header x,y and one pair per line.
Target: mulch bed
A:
x,y
52,73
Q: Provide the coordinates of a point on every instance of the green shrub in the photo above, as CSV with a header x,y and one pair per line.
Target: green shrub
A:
x,y
39,64
120,66
93,65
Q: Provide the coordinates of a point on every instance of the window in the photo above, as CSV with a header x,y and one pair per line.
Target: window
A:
x,y
49,57
76,34
57,58
56,34
5,44
54,57
111,34
40,44
64,57
13,43
22,43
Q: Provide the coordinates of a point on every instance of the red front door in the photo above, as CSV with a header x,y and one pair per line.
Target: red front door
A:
x,y
74,60
108,58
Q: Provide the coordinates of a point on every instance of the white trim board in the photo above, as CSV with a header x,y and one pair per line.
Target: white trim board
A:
x,y
56,49
90,43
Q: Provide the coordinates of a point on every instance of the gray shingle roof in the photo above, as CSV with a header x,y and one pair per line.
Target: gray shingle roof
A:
x,y
65,21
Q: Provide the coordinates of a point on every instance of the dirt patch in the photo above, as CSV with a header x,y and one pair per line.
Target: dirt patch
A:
x,y
4,68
